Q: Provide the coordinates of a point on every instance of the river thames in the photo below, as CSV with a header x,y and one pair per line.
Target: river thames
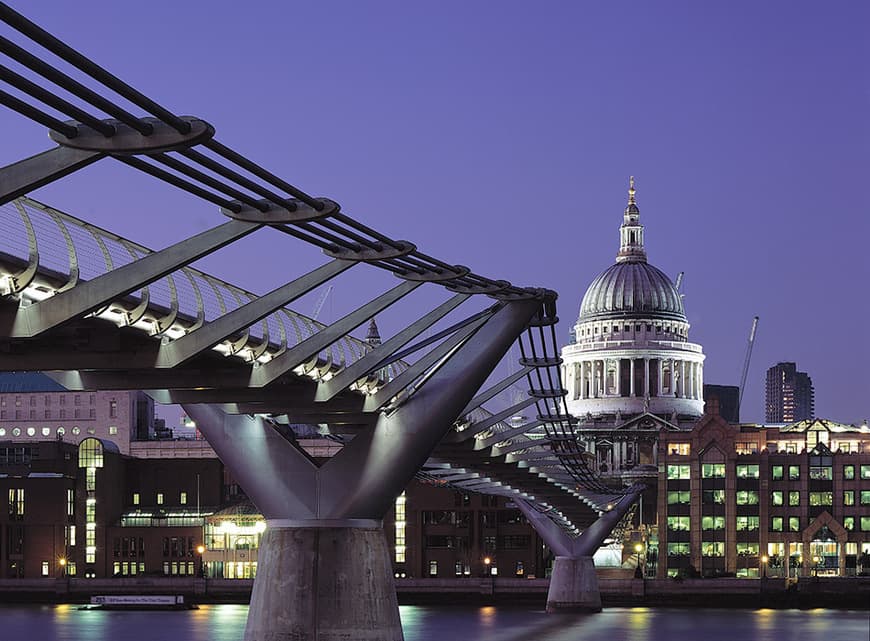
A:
x,y
432,623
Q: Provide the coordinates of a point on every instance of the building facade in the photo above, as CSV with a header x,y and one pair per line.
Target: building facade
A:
x,y
750,500
789,394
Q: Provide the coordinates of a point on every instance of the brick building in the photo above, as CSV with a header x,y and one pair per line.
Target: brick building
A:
x,y
751,500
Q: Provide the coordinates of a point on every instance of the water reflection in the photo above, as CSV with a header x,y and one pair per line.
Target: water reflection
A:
x,y
431,623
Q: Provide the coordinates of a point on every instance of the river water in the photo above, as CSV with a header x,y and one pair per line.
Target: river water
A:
x,y
429,623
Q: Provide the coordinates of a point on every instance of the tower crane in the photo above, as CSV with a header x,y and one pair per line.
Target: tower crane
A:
x,y
746,363
319,304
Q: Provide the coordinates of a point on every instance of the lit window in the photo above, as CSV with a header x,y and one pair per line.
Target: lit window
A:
x,y
31,431
678,471
679,449
712,522
865,497
45,568
113,429
183,498
46,431
848,472
776,472
113,409
794,472
433,568
794,524
849,523
865,472
76,431
776,524
16,431
678,523
160,498
794,498
821,498
713,470
747,471
135,498
745,497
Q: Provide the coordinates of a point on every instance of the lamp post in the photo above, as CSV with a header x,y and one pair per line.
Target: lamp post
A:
x,y
638,571
764,560
487,561
200,549
62,563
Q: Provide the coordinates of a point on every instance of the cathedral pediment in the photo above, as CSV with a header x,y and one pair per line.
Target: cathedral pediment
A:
x,y
647,422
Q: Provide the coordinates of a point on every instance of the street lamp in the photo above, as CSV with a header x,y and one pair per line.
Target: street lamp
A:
x,y
62,563
200,549
638,572
486,563
764,560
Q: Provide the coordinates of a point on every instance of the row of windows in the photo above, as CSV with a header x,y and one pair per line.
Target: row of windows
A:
x,y
160,498
751,523
777,497
77,400
777,472
46,414
637,328
47,431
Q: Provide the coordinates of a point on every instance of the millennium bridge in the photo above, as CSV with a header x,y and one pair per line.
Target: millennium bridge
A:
x,y
97,311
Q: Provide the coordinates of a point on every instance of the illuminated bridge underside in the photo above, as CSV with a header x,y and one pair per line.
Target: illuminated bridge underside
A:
x,y
102,312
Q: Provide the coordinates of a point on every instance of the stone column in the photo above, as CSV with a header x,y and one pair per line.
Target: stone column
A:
x,y
645,377
631,380
661,383
618,374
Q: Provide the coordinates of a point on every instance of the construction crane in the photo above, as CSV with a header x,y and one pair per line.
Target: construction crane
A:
x,y
746,363
319,304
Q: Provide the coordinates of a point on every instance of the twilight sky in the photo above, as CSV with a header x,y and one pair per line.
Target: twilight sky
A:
x,y
501,135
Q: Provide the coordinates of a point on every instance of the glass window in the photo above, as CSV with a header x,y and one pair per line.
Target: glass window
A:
x,y
747,471
713,470
712,548
865,497
45,568
711,497
794,524
865,472
776,472
182,498
865,523
747,523
821,473
821,498
90,453
678,549
679,449
160,498
433,568
746,497
848,472
794,498
849,497
849,523
678,497
747,549
113,429
135,498
794,472
712,522
776,524
678,471
679,523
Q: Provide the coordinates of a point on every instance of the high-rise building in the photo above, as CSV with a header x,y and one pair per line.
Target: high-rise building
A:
x,y
789,395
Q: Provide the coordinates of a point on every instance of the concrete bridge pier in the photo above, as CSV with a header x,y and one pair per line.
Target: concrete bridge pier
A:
x,y
574,582
324,571
325,581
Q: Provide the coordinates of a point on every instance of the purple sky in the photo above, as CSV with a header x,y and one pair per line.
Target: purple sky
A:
x,y
501,135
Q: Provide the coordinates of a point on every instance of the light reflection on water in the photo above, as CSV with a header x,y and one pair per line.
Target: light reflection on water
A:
x,y
454,623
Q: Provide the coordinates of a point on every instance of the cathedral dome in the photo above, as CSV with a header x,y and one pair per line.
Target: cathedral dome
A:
x,y
632,289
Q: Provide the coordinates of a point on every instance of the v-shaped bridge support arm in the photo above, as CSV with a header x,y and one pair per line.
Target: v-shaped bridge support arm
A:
x,y
362,480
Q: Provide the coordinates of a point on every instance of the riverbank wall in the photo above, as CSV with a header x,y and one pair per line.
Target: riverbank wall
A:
x,y
804,592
